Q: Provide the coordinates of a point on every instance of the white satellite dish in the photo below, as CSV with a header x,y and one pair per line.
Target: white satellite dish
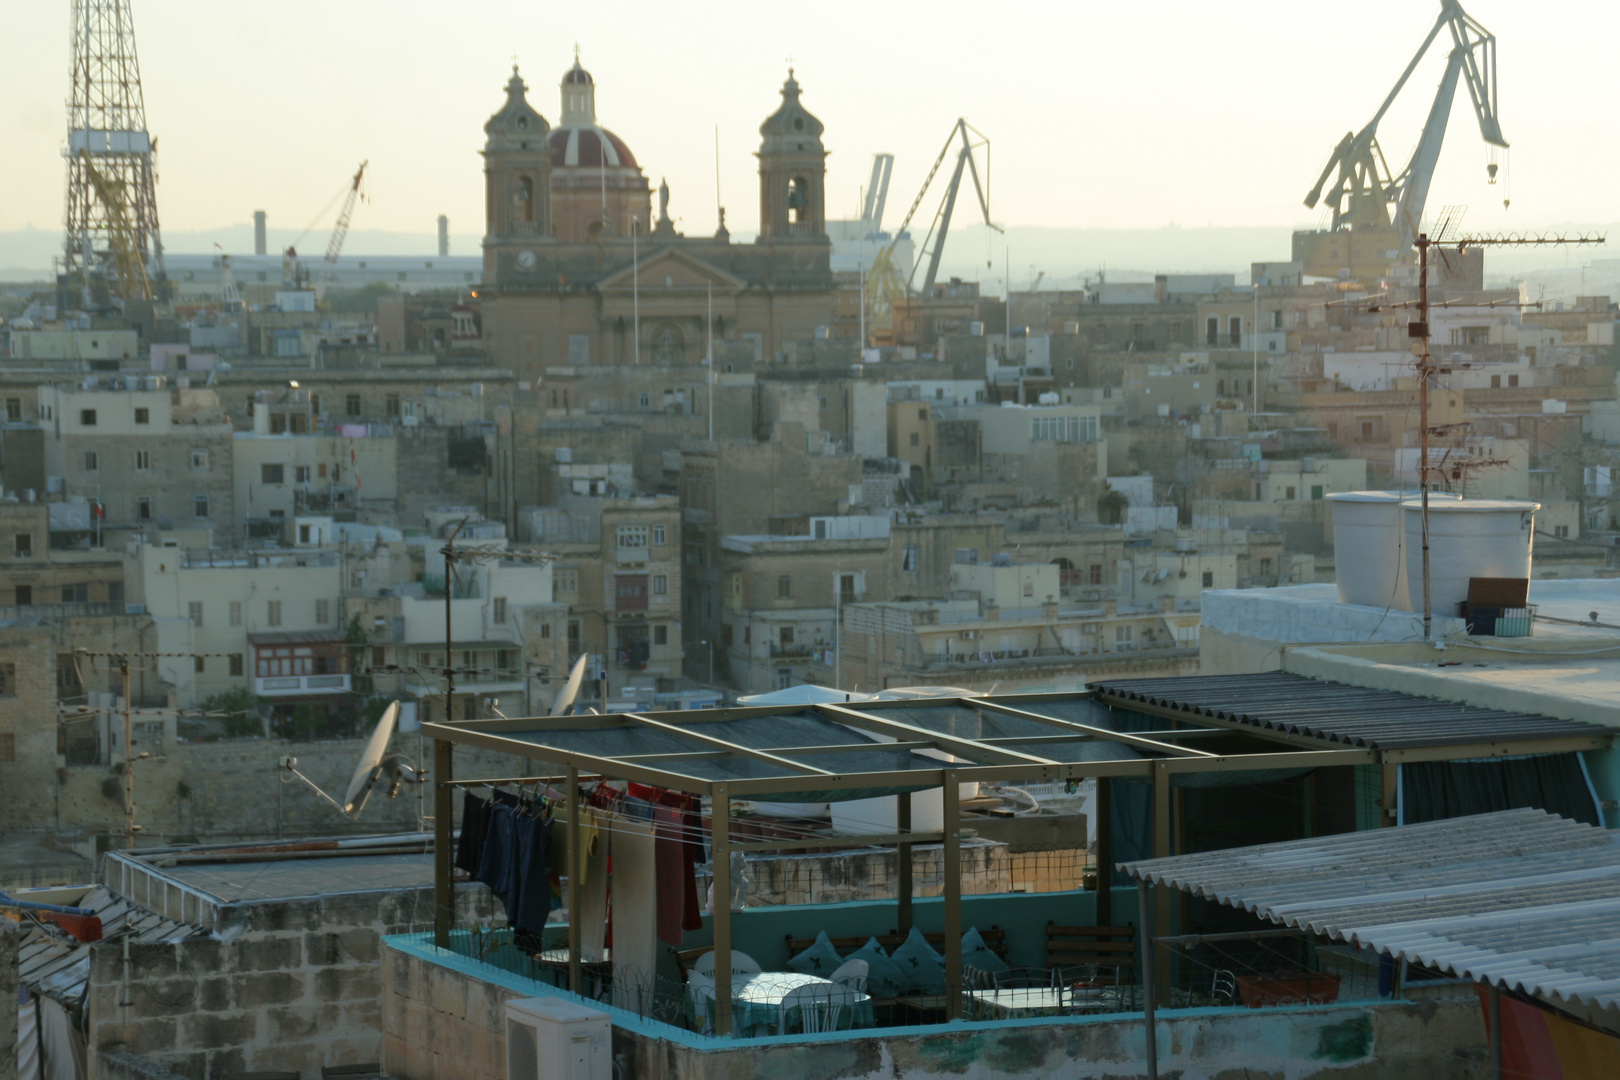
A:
x,y
570,690
371,762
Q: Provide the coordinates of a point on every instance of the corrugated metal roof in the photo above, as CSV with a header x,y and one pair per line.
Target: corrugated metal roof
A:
x,y
55,965
1522,899
1355,715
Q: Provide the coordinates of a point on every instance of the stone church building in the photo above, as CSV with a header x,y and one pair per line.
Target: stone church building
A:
x,y
577,272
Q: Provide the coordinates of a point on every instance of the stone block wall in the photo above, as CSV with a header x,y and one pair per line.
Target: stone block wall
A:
x,y
443,1019
288,985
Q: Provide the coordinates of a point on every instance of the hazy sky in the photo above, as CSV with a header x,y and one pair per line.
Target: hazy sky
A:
x,y
1131,115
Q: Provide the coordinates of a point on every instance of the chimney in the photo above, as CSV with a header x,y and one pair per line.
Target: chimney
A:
x,y
258,232
1167,604
444,236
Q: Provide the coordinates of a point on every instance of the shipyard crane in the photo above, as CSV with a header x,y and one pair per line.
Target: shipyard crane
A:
x,y
230,296
129,270
1376,216
884,285
340,231
877,194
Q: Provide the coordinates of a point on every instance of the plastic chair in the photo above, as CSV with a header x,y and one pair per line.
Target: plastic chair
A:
x,y
851,973
741,964
820,1007
700,999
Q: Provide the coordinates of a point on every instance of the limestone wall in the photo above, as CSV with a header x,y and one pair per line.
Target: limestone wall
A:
x,y
443,1019
291,985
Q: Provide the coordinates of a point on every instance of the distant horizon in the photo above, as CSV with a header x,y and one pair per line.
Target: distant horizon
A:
x,y
1064,253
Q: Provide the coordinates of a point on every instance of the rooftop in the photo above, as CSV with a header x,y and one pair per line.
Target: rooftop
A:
x,y
1521,899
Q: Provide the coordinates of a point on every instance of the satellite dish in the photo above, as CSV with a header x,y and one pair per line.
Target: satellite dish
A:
x,y
570,690
371,762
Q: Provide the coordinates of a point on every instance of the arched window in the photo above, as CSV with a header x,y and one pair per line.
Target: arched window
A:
x,y
523,199
798,200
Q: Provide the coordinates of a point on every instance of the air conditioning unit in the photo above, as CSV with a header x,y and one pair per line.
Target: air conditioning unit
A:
x,y
969,635
554,1039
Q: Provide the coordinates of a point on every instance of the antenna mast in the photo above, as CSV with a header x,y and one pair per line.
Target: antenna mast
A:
x,y
111,224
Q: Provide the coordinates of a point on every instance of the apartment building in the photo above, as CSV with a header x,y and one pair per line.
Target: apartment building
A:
x,y
149,458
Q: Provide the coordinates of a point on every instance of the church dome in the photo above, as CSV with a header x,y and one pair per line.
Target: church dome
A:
x,y
578,141
589,146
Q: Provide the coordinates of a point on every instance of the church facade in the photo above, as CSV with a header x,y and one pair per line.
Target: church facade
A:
x,y
577,272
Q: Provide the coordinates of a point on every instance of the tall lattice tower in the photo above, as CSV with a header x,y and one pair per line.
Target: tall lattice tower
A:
x,y
112,250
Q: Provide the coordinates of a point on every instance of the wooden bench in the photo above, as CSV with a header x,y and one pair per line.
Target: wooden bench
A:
x,y
995,939
1095,946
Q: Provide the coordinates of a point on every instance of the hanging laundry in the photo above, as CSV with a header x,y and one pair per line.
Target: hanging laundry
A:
x,y
474,829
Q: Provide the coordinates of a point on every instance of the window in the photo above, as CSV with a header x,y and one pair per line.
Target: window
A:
x,y
1234,330
300,474
22,545
784,586
1276,319
922,414
908,557
143,461
849,588
304,533
236,614
23,595
1063,429
630,592
1122,635
915,439
545,630
1094,574
1212,331
351,404
1316,492
87,417
785,635
498,611
564,581
8,746
143,416
1029,588
115,592
1288,492
646,400
271,474
76,594
734,586
579,348
659,536
143,508
391,404
1561,531
14,410
1513,380
323,612
660,585
199,459
92,461
1209,579
967,556
8,680
194,612
631,536
357,579
199,664
199,506
660,635
273,613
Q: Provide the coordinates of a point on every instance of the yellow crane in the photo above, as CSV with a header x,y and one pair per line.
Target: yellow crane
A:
x,y
128,269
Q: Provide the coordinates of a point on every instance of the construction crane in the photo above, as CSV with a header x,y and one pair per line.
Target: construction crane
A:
x,y
341,230
231,298
884,285
1376,216
877,194
129,269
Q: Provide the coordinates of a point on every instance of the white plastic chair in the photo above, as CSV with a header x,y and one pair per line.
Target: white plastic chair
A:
x,y
741,964
700,996
851,973
820,1006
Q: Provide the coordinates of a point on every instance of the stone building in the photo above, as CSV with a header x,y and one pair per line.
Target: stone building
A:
x,y
576,271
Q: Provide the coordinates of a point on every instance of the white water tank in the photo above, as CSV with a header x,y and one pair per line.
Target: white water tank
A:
x,y
1467,539
1369,546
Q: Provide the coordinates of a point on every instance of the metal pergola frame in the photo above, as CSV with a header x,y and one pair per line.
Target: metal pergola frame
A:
x,y
992,759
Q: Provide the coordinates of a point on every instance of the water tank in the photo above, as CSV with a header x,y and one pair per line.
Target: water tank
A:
x,y
1467,539
1369,546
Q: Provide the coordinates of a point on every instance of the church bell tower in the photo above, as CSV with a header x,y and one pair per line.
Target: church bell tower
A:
x,y
517,180
792,172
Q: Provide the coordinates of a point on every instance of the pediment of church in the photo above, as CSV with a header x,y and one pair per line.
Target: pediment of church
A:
x,y
671,269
